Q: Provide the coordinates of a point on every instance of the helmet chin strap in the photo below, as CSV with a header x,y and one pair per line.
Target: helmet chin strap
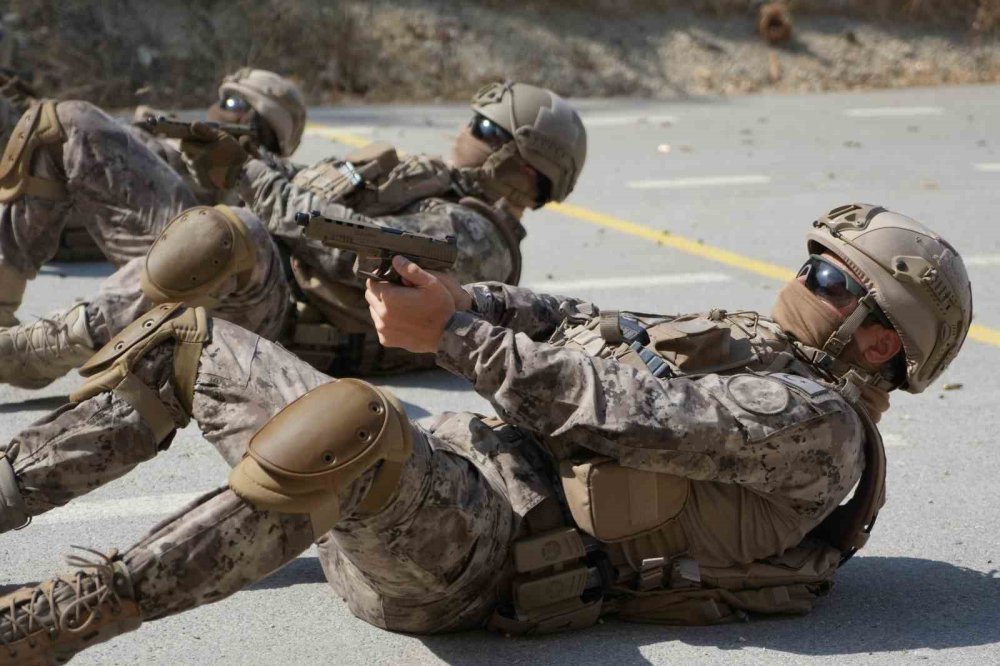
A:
x,y
829,357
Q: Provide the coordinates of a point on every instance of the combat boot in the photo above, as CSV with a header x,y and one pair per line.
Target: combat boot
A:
x,y
34,355
12,284
13,512
48,623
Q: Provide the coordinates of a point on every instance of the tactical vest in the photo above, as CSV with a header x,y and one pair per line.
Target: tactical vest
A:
x,y
38,128
333,329
625,552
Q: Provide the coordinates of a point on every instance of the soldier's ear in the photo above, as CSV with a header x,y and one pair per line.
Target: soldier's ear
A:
x,y
883,344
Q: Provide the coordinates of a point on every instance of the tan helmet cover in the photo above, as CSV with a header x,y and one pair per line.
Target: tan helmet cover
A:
x,y
549,133
276,99
195,254
916,277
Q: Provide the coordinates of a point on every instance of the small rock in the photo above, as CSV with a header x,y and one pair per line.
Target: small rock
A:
x,y
774,24
954,386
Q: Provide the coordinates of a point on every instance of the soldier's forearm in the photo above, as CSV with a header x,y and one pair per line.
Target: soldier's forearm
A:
x,y
524,311
543,388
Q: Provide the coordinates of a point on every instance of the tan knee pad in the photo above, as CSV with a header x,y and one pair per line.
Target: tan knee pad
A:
x,y
195,254
110,369
311,450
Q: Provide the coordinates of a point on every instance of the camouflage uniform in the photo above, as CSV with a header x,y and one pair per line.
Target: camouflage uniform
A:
x,y
438,556
125,196
122,192
169,151
260,304
271,190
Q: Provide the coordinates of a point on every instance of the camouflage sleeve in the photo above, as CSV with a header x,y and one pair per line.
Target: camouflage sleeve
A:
x,y
267,188
746,429
483,254
524,311
156,145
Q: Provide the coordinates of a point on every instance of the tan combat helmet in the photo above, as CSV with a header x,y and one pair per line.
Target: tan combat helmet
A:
x,y
915,277
548,132
275,98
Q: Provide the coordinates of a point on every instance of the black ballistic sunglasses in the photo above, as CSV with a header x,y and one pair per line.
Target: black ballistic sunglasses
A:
x,y
831,283
486,130
235,104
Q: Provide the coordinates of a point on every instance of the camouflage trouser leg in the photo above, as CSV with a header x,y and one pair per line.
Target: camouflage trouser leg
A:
x,y
434,559
431,560
261,304
209,550
83,446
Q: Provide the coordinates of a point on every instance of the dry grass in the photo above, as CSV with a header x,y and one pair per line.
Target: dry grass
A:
x,y
118,53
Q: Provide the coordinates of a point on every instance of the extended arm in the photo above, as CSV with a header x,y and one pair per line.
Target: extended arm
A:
x,y
524,311
266,185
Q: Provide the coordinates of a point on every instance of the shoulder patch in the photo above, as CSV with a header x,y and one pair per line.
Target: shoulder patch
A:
x,y
757,394
811,387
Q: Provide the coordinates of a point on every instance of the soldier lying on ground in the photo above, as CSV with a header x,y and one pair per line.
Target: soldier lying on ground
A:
x,y
237,269
70,161
524,147
269,104
671,469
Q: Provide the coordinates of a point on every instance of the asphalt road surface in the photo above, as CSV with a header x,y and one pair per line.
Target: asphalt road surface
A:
x,y
682,207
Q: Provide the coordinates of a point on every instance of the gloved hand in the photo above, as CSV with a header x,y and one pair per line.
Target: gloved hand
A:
x,y
213,157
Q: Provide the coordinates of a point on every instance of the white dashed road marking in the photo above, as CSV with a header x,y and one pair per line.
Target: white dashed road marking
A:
x,y
893,441
983,260
699,181
616,121
989,167
128,507
639,281
894,111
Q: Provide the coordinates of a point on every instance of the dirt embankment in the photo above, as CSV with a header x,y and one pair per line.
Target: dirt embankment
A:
x,y
119,53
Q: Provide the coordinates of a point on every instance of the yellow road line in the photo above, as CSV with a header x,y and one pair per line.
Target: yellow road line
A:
x,y
674,241
990,336
977,332
353,140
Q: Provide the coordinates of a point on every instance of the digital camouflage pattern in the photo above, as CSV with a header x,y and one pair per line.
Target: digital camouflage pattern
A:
x,y
271,190
428,560
804,454
169,151
122,192
269,187
260,303
437,556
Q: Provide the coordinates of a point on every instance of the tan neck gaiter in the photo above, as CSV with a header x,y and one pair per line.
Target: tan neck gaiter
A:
x,y
875,401
469,151
804,315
